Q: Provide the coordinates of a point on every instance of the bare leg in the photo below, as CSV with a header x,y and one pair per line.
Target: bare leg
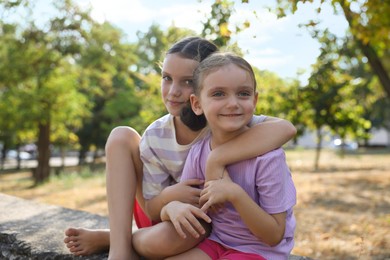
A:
x,y
124,183
162,240
124,175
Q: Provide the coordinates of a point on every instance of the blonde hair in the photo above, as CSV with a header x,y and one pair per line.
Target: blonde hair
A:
x,y
216,61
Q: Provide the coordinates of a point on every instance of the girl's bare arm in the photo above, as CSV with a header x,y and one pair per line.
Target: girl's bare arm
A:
x,y
271,229
258,140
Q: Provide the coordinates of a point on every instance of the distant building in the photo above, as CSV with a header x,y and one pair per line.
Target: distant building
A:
x,y
379,138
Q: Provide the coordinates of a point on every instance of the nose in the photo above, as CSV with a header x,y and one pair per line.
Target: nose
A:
x,y
232,102
175,89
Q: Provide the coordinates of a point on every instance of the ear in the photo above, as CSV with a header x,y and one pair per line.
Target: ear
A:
x,y
195,105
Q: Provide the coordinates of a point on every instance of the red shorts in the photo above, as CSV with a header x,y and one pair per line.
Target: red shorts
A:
x,y
216,251
140,217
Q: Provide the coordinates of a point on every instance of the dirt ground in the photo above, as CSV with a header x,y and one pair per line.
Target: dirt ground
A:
x,y
343,209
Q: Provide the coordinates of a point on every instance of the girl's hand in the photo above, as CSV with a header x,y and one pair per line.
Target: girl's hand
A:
x,y
185,216
216,193
187,191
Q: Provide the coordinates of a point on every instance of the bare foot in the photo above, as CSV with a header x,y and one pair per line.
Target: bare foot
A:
x,y
81,241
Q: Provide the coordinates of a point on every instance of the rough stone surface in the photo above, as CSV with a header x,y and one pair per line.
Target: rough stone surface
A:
x,y
35,231
31,230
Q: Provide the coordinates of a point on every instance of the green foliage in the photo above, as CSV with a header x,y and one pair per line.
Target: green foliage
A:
x,y
105,79
42,82
218,27
270,86
153,44
152,104
79,79
70,107
369,25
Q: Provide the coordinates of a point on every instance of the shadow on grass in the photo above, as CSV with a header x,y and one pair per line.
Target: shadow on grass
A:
x,y
355,196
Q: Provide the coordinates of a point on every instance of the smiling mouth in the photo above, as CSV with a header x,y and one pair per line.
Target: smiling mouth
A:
x,y
175,103
231,115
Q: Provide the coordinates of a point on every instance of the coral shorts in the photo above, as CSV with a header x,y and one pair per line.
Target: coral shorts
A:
x,y
141,219
216,251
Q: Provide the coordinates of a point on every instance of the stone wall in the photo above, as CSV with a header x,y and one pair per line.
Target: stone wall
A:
x,y
35,231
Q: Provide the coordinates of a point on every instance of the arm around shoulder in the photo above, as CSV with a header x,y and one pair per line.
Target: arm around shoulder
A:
x,y
286,128
258,140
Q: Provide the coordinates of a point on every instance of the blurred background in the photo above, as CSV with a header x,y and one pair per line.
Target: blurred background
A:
x,y
71,71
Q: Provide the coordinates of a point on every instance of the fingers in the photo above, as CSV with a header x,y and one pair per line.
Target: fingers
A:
x,y
195,191
195,194
205,196
203,192
209,207
179,230
204,201
192,225
196,227
206,206
211,197
201,214
190,191
187,222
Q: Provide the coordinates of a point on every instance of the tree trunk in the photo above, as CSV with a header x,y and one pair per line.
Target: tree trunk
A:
x,y
42,172
342,148
63,156
82,155
318,149
368,51
3,155
377,66
18,159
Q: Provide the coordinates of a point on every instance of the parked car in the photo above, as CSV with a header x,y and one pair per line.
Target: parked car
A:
x,y
346,145
13,154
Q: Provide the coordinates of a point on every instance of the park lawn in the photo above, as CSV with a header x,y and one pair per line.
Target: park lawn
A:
x,y
343,209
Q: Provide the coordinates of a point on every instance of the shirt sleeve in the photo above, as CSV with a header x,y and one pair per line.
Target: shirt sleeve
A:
x,y
274,183
257,119
155,175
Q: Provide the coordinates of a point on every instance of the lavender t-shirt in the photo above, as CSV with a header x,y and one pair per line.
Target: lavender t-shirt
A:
x,y
163,158
267,180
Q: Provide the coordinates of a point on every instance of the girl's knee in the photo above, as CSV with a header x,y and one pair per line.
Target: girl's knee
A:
x,y
123,136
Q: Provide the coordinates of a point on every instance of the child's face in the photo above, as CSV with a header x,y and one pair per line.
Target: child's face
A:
x,y
227,99
176,83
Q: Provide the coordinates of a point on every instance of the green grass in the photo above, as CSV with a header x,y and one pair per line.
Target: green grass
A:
x,y
68,179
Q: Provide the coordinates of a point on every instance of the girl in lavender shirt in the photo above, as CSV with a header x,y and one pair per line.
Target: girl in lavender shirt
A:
x,y
251,205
